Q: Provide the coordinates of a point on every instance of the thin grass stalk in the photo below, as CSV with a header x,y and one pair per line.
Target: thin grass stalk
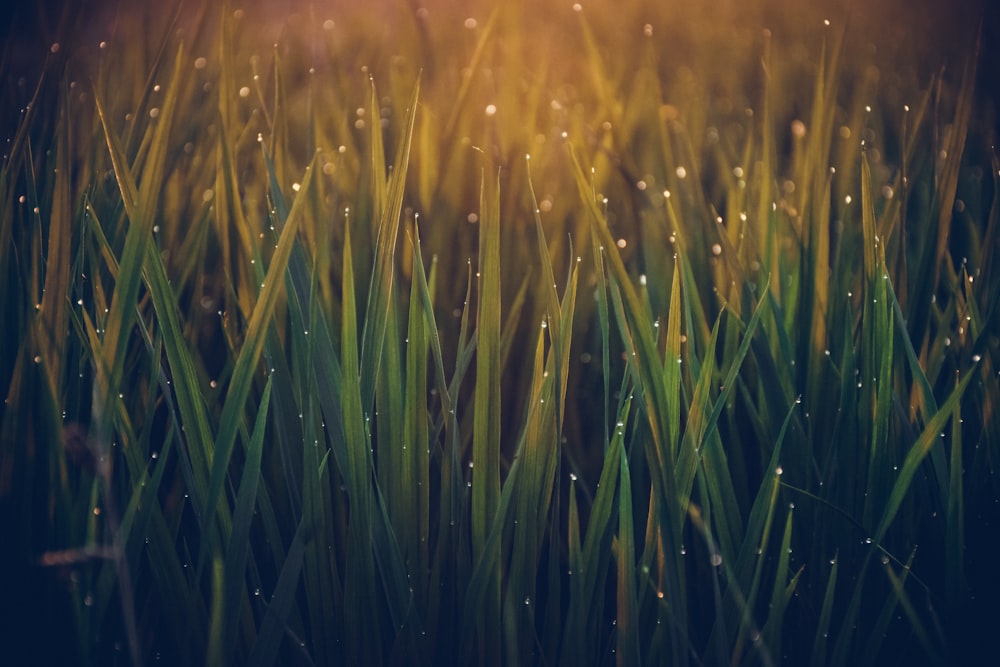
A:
x,y
486,438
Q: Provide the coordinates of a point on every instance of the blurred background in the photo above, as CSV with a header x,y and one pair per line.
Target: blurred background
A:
x,y
922,34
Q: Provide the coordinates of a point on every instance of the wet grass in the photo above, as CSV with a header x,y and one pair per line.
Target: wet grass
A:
x,y
550,335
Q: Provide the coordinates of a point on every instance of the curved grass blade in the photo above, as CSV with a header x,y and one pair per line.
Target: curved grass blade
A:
x,y
272,628
917,453
249,357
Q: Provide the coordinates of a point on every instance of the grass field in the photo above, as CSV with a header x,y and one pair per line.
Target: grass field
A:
x,y
636,333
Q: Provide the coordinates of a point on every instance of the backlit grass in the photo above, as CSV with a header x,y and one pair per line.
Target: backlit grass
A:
x,y
505,335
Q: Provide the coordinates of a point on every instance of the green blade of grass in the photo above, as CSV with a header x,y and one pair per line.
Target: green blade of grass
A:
x,y
486,429
627,621
653,390
918,452
590,567
359,575
141,206
955,511
672,361
748,570
234,571
53,319
249,357
819,651
382,278
781,594
481,581
531,501
877,351
898,583
379,193
272,628
415,473
389,420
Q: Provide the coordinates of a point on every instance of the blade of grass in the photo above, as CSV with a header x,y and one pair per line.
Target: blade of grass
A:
x,y
382,278
486,429
955,524
781,594
272,628
246,364
928,437
898,583
748,571
627,621
653,390
415,475
819,651
590,565
234,570
359,575
53,319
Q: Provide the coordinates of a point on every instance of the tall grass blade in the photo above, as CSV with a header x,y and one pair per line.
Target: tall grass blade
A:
x,y
917,453
233,589
590,565
249,356
819,651
627,621
380,290
486,435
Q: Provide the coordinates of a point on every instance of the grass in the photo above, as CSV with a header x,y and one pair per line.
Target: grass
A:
x,y
497,335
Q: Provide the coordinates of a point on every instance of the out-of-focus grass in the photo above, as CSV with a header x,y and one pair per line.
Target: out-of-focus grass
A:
x,y
526,334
